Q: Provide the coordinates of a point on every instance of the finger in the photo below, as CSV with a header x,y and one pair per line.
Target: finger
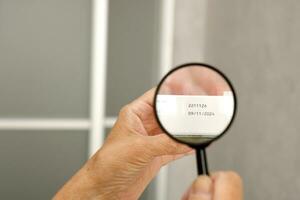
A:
x,y
147,97
169,158
201,189
143,108
160,145
142,104
227,186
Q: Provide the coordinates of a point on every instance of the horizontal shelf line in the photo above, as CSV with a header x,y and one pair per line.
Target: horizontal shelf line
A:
x,y
44,124
50,124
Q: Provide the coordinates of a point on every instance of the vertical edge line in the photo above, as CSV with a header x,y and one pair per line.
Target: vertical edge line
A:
x,y
203,22
165,61
98,73
166,36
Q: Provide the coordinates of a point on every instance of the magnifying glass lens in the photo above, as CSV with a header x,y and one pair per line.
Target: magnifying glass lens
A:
x,y
194,104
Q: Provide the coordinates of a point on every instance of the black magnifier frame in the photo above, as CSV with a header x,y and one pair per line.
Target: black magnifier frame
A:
x,y
202,166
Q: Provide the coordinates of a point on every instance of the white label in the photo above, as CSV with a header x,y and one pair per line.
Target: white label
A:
x,y
195,115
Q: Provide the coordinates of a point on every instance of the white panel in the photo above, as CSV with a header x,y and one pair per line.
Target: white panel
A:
x,y
44,124
165,63
98,74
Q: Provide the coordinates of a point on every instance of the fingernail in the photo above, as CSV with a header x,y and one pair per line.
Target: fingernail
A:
x,y
202,188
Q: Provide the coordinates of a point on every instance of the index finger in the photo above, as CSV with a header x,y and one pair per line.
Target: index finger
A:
x,y
147,97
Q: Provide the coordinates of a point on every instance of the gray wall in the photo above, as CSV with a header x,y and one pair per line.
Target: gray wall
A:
x,y
35,164
256,43
44,52
132,51
45,73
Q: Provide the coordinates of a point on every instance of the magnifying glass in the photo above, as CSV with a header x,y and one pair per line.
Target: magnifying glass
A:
x,y
195,104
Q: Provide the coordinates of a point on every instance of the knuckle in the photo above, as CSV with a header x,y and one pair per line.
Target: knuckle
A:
x,y
125,109
125,112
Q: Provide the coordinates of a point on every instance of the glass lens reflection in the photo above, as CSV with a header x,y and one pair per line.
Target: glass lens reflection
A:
x,y
195,104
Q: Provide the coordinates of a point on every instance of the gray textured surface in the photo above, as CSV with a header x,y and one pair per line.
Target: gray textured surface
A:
x,y
35,164
44,72
256,43
44,58
132,51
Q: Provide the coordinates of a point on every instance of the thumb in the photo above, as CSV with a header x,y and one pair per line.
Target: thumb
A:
x,y
160,145
201,189
227,186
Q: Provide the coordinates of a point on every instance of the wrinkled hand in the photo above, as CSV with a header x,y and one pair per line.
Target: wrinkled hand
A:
x,y
131,156
220,186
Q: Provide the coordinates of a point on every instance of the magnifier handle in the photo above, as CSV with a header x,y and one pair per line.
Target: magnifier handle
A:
x,y
201,162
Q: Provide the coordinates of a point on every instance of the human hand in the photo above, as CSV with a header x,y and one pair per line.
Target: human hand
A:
x,y
220,186
131,156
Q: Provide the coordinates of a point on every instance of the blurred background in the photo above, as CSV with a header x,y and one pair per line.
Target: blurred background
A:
x,y
63,81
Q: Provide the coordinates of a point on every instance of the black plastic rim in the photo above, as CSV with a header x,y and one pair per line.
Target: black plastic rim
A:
x,y
199,65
